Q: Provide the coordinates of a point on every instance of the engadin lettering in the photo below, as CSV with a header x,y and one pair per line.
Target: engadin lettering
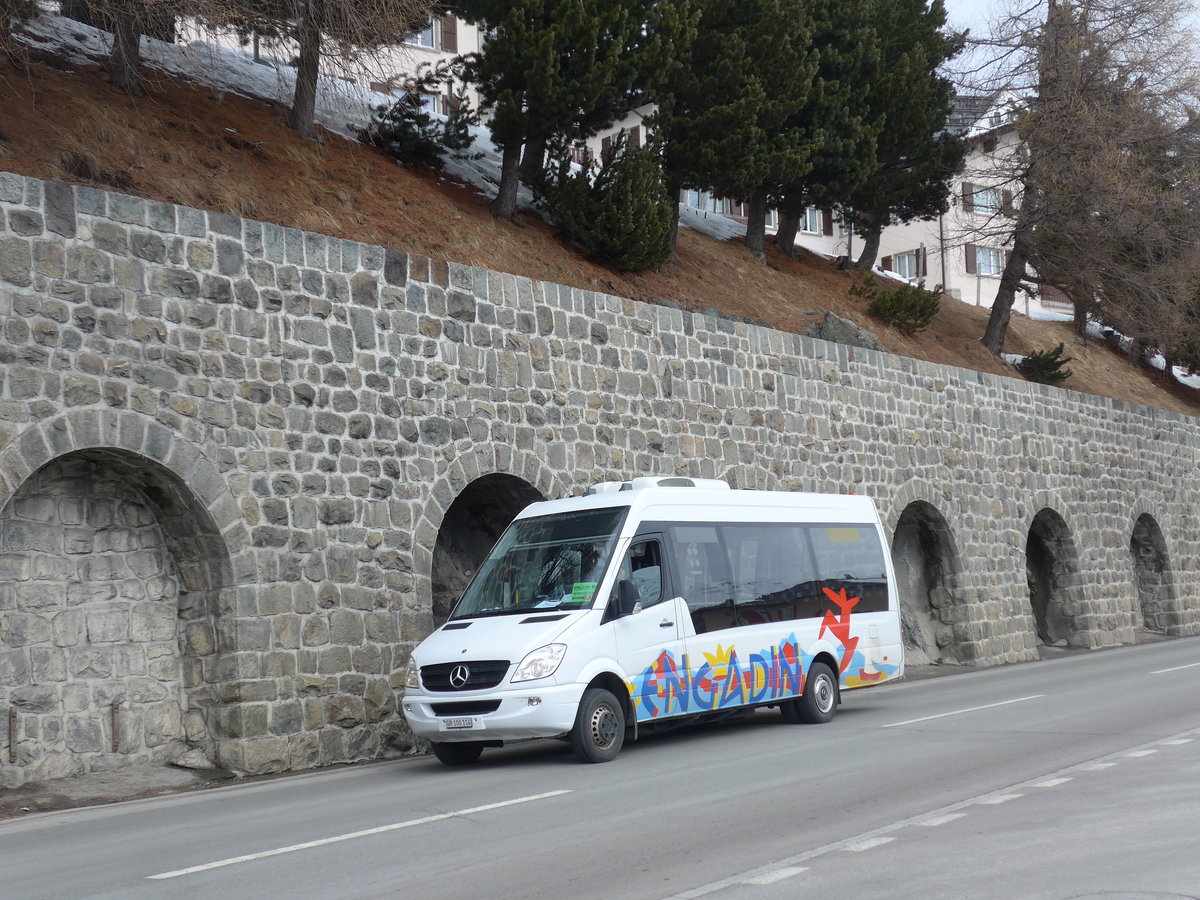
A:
x,y
669,687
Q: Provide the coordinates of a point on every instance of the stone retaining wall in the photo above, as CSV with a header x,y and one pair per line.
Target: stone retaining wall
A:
x,y
262,431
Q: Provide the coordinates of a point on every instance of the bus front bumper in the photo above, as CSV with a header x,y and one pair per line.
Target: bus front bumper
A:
x,y
531,712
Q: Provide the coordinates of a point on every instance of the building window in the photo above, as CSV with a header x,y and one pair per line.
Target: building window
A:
x,y
811,221
422,38
906,264
987,201
989,261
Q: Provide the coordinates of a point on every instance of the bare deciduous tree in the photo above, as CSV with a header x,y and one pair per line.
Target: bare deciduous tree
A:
x,y
1106,175
345,31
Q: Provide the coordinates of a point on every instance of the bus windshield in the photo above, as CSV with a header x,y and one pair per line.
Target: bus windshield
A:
x,y
548,562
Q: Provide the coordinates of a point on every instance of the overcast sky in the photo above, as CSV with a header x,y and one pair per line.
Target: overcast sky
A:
x,y
971,14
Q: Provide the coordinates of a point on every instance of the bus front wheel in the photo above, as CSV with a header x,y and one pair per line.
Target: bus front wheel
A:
x,y
457,753
599,728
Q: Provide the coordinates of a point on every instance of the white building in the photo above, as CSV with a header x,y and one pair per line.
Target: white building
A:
x,y
965,249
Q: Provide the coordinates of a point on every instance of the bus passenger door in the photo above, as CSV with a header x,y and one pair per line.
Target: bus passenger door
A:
x,y
648,639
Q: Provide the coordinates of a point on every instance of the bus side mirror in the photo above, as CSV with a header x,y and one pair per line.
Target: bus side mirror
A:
x,y
626,601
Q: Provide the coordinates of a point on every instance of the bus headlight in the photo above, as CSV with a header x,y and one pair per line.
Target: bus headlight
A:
x,y
411,678
540,663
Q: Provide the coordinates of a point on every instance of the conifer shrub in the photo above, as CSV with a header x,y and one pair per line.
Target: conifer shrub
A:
x,y
411,134
908,307
1046,366
621,214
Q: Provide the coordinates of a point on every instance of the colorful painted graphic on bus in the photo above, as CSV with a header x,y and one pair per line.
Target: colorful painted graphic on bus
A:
x,y
671,686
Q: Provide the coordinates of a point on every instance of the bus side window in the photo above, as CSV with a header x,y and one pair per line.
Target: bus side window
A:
x,y
703,572
850,558
774,576
643,566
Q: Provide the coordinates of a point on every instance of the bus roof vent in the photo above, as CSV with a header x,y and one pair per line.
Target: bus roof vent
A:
x,y
649,481
677,481
607,487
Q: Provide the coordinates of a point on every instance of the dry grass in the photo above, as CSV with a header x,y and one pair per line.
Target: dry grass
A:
x,y
184,144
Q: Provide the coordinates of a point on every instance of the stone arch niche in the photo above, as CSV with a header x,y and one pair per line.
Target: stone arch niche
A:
x,y
1052,573
1154,611
927,563
750,478
112,576
472,524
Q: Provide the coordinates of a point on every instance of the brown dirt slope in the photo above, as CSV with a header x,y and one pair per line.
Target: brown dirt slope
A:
x,y
198,147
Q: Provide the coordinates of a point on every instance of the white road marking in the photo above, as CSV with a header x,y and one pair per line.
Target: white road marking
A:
x,y
382,829
1137,753
1050,782
776,875
929,819
959,712
997,799
934,821
1177,742
1175,668
868,844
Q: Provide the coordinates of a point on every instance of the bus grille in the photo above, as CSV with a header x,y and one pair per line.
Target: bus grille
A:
x,y
481,673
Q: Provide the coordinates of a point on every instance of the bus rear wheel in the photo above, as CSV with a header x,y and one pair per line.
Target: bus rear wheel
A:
x,y
818,704
599,730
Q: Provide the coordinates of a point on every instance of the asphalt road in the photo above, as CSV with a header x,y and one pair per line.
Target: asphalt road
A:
x,y
1069,778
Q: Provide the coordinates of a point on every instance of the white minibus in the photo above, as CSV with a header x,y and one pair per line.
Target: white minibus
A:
x,y
653,601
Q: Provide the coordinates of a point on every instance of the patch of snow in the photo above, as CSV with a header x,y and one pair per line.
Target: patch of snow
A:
x,y
1045,315
1013,359
713,224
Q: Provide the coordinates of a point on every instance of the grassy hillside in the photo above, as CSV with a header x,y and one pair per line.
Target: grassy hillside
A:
x,y
195,146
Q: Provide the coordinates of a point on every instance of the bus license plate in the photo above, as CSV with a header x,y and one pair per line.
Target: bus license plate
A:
x,y
458,723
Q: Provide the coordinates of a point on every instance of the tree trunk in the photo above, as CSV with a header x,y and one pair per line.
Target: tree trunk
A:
x,y
1006,294
302,117
756,225
785,237
533,160
126,53
77,10
869,228
1080,318
505,204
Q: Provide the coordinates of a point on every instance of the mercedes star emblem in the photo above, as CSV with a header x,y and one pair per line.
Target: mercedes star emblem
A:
x,y
459,676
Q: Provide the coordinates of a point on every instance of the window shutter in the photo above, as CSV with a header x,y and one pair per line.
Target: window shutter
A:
x,y
635,137
971,268
449,33
886,264
827,222
1006,202
605,146
922,262
968,196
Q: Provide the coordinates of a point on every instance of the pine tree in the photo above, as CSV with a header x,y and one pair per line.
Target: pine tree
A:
x,y
915,156
622,213
838,113
563,69
723,117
